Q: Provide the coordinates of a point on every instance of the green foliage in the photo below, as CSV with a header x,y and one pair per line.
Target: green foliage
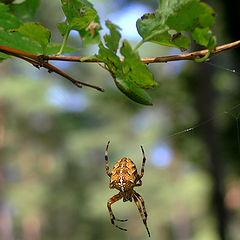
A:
x,y
36,32
131,76
28,36
166,24
135,70
78,16
82,17
25,10
136,94
112,40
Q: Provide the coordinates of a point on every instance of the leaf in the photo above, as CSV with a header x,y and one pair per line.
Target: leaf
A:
x,y
131,76
79,13
36,32
90,35
203,36
82,22
82,17
151,29
112,40
191,14
62,27
110,59
135,71
177,16
52,48
16,39
136,94
25,10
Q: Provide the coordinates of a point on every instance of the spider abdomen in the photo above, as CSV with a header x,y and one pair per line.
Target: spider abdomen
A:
x,y
124,175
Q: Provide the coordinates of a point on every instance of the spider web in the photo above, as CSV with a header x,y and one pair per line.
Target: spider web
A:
x,y
229,112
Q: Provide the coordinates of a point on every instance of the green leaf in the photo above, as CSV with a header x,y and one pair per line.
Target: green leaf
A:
x,y
25,10
79,23
190,14
90,35
36,32
79,13
112,40
82,17
52,48
131,76
136,94
203,36
151,28
16,39
136,71
176,16
110,59
62,27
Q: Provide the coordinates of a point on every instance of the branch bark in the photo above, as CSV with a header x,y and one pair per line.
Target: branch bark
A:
x,y
180,57
42,60
39,61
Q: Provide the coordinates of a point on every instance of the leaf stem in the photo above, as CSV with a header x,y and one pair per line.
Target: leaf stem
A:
x,y
64,41
204,58
138,45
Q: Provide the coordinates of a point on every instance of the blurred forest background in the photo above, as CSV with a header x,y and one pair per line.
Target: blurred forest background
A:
x,y
53,184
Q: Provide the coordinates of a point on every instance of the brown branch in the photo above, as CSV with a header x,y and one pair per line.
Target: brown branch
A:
x,y
185,56
42,61
38,61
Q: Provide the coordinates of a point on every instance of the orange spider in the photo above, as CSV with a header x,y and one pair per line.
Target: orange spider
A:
x,y
124,177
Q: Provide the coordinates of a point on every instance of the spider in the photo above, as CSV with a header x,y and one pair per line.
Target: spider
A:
x,y
124,177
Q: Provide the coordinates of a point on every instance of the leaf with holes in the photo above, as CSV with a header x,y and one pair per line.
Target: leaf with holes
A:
x,y
82,17
90,35
166,25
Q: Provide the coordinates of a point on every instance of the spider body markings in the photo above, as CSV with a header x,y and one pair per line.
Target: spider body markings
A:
x,y
124,177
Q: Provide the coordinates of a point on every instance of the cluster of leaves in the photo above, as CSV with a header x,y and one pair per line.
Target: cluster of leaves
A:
x,y
166,26
131,76
29,37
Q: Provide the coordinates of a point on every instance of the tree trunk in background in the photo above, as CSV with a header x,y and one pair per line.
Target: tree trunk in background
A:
x,y
205,101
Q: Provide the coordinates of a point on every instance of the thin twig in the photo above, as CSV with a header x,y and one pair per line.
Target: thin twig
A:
x,y
185,56
38,61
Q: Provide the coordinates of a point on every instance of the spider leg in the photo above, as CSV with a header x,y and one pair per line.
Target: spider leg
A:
x,y
144,218
143,164
142,202
112,217
106,160
138,184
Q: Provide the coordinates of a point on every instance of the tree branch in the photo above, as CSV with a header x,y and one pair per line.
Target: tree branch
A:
x,y
39,61
185,56
42,60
